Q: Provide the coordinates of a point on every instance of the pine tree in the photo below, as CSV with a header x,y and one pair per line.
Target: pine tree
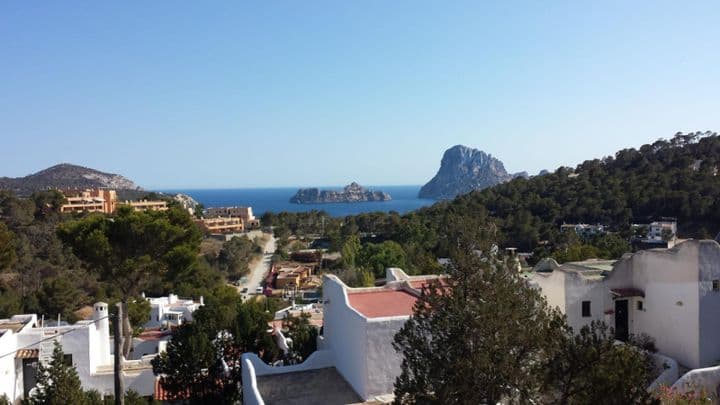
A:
x,y
480,337
58,382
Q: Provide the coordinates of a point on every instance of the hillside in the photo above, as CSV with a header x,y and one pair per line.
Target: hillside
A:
x,y
676,178
65,176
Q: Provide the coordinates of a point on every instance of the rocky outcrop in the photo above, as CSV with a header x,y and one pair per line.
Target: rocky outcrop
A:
x,y
464,169
186,202
350,194
66,176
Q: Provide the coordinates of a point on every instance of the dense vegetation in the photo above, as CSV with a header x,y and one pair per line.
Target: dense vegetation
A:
x,y
52,263
485,337
669,178
202,361
675,178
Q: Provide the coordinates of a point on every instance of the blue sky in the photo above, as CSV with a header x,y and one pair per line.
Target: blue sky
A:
x,y
239,94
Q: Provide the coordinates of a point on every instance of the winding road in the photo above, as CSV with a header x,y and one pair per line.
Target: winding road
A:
x,y
259,270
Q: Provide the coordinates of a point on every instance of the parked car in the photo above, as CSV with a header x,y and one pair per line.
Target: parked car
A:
x,y
244,290
259,290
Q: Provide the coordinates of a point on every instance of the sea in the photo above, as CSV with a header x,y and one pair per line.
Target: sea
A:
x,y
404,199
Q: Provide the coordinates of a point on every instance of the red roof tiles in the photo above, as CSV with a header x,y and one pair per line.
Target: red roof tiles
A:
x,y
377,304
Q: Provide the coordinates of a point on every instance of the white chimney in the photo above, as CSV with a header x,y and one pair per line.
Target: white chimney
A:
x,y
202,300
172,298
102,326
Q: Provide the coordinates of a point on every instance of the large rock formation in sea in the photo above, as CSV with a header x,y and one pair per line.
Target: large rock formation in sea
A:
x,y
351,193
65,176
464,169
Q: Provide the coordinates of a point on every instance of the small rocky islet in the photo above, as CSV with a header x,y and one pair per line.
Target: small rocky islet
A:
x,y
351,193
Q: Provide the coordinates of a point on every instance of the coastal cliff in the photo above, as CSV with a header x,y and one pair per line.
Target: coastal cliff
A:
x,y
350,194
464,169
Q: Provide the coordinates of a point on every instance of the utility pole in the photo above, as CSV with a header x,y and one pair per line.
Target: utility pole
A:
x,y
118,341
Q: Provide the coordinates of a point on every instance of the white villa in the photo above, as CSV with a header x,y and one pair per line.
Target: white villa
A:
x,y
672,295
24,343
171,311
355,360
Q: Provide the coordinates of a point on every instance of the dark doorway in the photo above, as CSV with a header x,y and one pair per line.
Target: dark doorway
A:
x,y
621,320
30,369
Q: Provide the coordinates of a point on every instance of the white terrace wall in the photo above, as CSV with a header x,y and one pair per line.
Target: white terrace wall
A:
x,y
700,379
345,335
669,278
383,362
253,367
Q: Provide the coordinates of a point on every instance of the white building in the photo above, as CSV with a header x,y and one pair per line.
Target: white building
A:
x,y
170,311
662,230
24,343
583,230
672,295
245,213
355,349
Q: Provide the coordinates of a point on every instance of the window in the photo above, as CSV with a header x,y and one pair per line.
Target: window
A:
x,y
585,309
716,285
640,305
67,359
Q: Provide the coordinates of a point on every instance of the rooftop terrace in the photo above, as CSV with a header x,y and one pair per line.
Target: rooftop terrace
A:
x,y
319,386
382,303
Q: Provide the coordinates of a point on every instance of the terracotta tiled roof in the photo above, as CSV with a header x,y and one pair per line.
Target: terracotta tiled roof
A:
x,y
382,303
27,354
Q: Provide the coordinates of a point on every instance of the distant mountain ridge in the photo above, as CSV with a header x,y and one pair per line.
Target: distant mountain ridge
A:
x,y
463,170
64,176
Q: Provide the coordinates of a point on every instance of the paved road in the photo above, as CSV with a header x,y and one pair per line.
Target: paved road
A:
x,y
258,270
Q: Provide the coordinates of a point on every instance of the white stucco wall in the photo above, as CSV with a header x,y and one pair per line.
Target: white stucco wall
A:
x,y
345,334
680,310
669,278
567,290
552,285
669,374
251,394
707,379
8,382
709,268
579,289
88,344
383,362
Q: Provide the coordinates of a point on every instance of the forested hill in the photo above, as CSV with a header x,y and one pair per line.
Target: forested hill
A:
x,y
674,178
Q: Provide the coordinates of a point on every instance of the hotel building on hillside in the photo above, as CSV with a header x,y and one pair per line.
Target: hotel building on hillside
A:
x,y
105,201
90,200
222,225
245,213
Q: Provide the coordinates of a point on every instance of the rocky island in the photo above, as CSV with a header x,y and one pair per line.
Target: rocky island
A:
x,y
463,170
352,193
